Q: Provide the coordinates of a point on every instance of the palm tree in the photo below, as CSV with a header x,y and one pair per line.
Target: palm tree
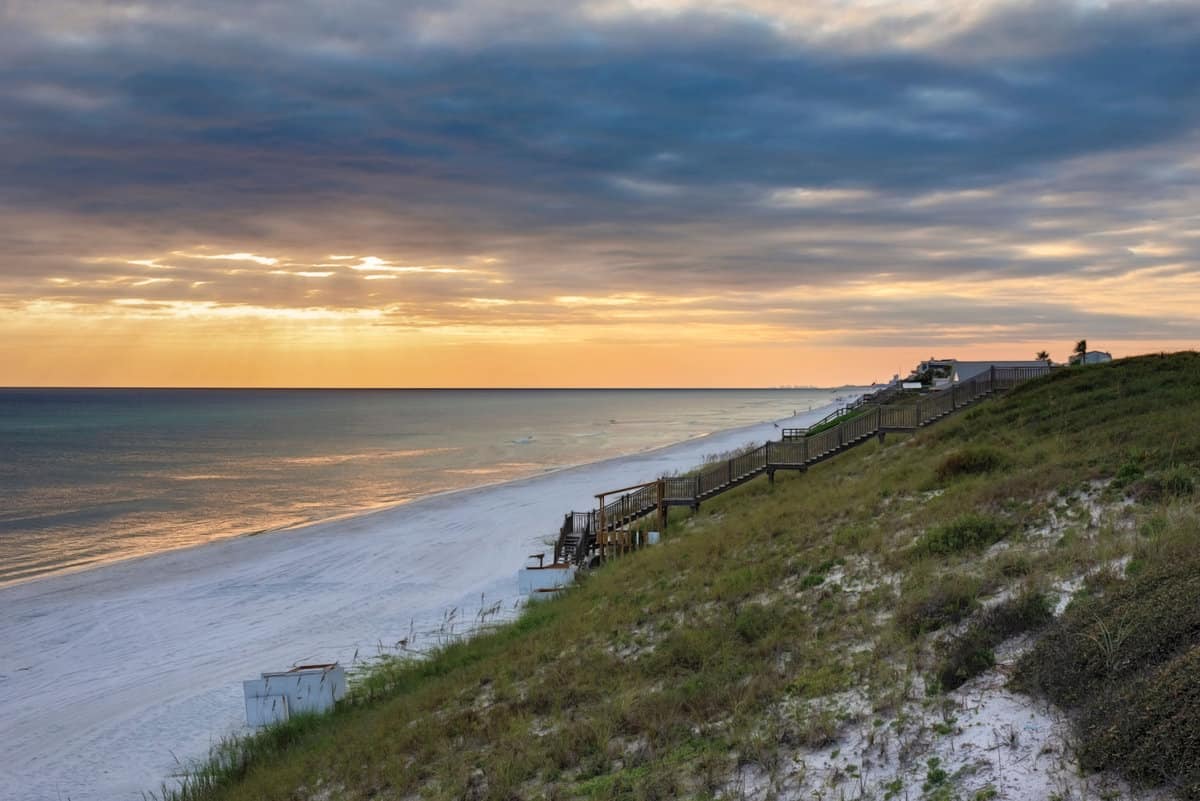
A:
x,y
1081,349
1042,356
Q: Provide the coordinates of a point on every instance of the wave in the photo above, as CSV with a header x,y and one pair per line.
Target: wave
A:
x,y
208,477
343,458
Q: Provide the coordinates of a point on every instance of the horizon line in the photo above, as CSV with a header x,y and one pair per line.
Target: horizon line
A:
x,y
419,389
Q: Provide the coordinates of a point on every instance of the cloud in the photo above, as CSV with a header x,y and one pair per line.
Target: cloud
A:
x,y
217,153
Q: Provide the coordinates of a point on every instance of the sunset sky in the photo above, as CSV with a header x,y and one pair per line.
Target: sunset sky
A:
x,y
609,193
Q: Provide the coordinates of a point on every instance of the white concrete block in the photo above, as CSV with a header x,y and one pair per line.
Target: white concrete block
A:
x,y
313,688
551,577
263,710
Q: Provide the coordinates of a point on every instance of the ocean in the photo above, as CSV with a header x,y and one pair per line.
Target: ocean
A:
x,y
89,476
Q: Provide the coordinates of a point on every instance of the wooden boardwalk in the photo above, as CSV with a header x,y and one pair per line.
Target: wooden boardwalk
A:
x,y
606,530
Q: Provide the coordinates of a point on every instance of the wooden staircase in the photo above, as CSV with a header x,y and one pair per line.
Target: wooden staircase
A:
x,y
585,535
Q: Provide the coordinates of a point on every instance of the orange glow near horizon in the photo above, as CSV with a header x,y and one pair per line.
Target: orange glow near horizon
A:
x,y
153,362
617,340
261,316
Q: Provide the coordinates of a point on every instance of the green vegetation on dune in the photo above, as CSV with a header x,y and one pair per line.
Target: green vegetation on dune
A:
x,y
845,417
971,653
848,414
1127,654
776,618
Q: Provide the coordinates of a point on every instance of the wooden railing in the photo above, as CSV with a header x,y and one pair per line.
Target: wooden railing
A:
x,y
583,532
876,398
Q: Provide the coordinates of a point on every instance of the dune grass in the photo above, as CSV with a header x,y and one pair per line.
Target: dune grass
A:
x,y
665,671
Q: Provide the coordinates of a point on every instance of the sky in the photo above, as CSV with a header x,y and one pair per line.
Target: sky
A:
x,y
608,193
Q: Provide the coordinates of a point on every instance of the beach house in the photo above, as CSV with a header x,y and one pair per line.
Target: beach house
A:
x,y
941,373
1092,357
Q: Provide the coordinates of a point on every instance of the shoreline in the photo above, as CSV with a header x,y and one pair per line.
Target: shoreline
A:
x,y
116,668
342,517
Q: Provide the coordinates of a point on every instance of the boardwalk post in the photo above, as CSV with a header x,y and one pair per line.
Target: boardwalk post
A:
x,y
662,506
562,534
600,535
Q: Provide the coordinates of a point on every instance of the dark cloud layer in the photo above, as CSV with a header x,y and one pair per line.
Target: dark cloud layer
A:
x,y
706,153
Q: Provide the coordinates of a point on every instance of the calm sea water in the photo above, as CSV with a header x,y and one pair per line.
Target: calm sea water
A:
x,y
88,476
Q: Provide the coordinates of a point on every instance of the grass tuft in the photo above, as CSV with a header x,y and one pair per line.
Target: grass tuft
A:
x,y
969,462
970,531
754,622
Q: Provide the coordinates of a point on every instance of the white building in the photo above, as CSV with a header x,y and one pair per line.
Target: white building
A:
x,y
941,373
1092,357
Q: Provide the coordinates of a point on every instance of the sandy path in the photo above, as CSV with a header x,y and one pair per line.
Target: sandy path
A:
x,y
107,675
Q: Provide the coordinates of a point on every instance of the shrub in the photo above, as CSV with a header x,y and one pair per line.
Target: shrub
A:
x,y
968,462
1153,526
1146,490
1128,660
812,580
1152,726
1106,635
1179,482
928,606
1014,564
935,774
685,650
968,531
820,681
753,622
1128,473
1017,615
970,656
965,657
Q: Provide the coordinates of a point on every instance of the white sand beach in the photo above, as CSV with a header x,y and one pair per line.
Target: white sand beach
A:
x,y
113,677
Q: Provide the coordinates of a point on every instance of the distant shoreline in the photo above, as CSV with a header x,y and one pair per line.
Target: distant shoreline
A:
x,y
415,500
437,480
